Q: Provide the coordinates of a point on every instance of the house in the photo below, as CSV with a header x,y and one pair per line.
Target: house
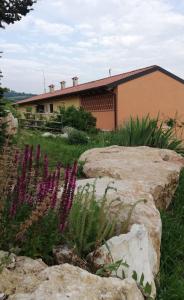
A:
x,y
114,99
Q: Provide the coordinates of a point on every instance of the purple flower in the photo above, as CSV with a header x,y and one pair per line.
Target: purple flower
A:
x,y
45,167
67,195
57,175
32,188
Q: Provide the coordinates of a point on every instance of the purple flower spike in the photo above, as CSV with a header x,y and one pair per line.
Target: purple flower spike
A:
x,y
38,153
67,195
30,158
35,185
45,167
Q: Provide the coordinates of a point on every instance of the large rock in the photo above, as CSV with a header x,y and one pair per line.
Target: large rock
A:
x,y
69,282
122,196
155,171
136,249
19,273
11,124
32,280
138,173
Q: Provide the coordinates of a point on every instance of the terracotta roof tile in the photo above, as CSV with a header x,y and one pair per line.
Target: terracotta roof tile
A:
x,y
88,86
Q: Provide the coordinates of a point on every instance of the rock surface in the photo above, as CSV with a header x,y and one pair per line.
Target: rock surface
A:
x,y
19,273
11,124
152,170
136,249
50,134
138,173
33,280
127,194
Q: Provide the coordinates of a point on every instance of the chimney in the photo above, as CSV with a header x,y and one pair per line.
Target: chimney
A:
x,y
75,81
63,84
51,88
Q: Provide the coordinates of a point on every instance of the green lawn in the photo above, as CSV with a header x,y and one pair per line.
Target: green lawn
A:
x,y
172,250
57,149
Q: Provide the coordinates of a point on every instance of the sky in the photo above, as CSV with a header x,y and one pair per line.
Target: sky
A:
x,y
86,38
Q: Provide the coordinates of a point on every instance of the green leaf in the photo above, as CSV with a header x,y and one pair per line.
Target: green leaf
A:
x,y
147,289
134,276
142,280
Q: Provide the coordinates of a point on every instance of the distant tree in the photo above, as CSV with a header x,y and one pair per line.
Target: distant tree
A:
x,y
13,10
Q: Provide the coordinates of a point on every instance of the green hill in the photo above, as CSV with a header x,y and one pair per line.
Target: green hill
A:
x,y
16,96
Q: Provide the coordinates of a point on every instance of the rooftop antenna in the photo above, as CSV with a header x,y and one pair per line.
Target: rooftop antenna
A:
x,y
44,82
110,71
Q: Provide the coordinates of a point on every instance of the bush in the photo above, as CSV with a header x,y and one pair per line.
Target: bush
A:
x,y
29,220
146,132
75,117
77,137
89,224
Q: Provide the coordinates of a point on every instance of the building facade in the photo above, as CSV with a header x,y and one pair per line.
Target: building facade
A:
x,y
113,100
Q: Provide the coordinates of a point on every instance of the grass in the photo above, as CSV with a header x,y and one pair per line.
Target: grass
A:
x,y
57,149
172,249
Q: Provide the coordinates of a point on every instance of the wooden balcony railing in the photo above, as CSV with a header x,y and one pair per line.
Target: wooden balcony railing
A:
x,y
40,121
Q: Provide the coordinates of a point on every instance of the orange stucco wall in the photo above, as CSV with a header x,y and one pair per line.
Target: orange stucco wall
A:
x,y
104,119
151,94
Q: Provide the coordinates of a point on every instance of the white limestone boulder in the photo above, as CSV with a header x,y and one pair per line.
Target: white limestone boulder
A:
x,y
19,273
33,280
156,171
69,282
129,194
11,123
134,248
48,134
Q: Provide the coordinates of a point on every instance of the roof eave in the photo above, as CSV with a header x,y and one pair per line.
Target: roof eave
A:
x,y
110,85
146,72
65,95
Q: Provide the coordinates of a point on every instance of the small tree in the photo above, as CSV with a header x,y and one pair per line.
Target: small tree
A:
x,y
13,10
77,118
10,12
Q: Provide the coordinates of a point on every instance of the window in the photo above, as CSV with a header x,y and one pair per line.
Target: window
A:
x,y
40,108
51,108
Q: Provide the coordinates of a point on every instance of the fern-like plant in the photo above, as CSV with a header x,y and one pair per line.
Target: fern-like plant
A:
x,y
88,222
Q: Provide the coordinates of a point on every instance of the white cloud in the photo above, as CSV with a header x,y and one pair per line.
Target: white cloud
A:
x,y
54,29
13,48
84,37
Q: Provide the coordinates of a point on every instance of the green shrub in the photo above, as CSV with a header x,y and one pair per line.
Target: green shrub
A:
x,y
38,240
33,216
12,108
3,114
41,237
75,117
88,223
146,132
76,137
